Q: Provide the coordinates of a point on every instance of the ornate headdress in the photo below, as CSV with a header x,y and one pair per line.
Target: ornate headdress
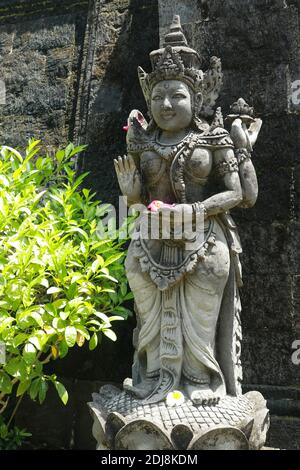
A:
x,y
177,61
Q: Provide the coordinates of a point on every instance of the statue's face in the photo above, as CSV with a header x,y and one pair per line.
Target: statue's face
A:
x,y
171,105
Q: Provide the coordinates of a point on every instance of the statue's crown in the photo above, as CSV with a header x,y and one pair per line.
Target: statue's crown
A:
x,y
177,61
175,53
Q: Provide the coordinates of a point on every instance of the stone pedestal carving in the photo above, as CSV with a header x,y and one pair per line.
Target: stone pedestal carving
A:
x,y
122,422
184,172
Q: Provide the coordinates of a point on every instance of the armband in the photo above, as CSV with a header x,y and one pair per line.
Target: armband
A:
x,y
229,166
242,155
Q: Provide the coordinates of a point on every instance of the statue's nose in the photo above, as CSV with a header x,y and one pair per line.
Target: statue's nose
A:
x,y
166,104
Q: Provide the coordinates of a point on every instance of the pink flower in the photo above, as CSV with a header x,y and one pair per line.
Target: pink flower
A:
x,y
155,205
125,128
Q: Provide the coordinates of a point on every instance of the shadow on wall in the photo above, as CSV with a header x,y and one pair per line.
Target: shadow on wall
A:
x,y
113,89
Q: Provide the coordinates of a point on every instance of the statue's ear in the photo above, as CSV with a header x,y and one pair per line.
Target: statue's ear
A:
x,y
198,103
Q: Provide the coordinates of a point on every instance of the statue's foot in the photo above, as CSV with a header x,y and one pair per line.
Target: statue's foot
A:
x,y
201,394
142,390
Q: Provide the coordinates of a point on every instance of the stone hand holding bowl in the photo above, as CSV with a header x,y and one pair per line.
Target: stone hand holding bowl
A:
x,y
244,127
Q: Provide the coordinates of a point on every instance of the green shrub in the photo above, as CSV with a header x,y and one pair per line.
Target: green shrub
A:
x,y
60,285
13,438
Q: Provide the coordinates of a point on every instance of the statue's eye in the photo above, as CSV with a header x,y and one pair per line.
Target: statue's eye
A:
x,y
179,96
157,98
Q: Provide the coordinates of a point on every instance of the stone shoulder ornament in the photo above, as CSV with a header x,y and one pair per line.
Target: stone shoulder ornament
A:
x,y
185,391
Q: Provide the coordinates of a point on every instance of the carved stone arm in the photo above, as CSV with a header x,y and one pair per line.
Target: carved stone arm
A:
x,y
226,165
244,140
244,133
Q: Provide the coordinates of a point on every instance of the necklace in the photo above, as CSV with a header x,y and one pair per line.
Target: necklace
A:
x,y
181,141
167,151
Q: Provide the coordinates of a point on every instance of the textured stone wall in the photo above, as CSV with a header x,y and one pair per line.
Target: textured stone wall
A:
x,y
40,55
70,71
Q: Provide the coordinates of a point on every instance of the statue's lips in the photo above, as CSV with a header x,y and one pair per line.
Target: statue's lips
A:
x,y
167,116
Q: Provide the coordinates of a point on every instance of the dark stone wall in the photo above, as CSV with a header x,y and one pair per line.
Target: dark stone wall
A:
x,y
70,72
40,57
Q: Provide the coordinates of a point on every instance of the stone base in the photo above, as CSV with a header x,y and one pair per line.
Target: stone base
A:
x,y
122,422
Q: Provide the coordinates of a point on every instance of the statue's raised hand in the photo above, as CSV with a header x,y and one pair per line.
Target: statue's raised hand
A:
x,y
244,137
128,178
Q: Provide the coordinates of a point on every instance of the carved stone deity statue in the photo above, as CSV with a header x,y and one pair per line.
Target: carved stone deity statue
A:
x,y
185,389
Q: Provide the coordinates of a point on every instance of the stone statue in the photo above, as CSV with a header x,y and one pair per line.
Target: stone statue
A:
x,y
184,165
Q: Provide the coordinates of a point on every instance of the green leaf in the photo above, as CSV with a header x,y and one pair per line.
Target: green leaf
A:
x,y
4,181
107,276
29,353
64,315
69,150
58,324
39,163
125,312
5,323
62,392
123,289
51,309
34,388
63,349
83,331
31,145
78,149
44,282
60,155
37,318
16,367
31,314
70,336
53,290
86,192
93,342
5,383
59,303
42,390
3,431
115,318
113,259
19,339
102,316
72,291
128,296
23,387
110,334
79,230
37,342
50,247
96,323
98,262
